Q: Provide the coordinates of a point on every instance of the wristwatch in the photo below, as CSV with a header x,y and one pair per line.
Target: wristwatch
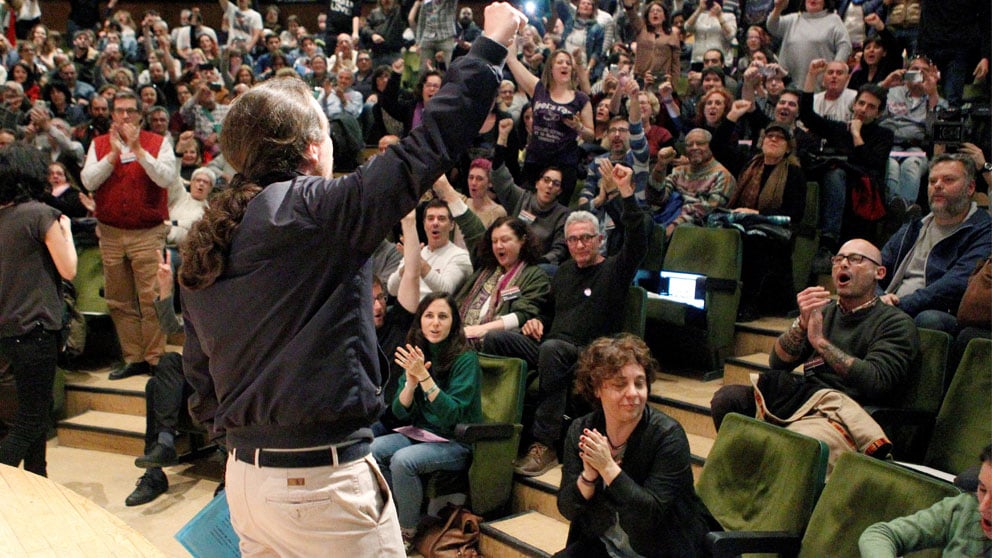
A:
x,y
987,167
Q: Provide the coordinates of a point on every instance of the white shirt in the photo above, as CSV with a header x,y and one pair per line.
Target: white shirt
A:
x,y
161,168
450,266
250,21
840,109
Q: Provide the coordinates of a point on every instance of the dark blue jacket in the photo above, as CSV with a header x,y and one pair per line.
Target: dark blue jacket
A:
x,y
948,266
281,350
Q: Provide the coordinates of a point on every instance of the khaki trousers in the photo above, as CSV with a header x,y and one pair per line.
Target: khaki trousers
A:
x,y
313,511
130,262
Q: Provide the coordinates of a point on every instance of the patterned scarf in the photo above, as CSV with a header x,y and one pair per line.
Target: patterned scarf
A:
x,y
751,194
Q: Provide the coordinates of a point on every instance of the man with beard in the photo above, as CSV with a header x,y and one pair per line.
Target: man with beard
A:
x,y
98,124
857,346
466,31
704,184
933,257
628,147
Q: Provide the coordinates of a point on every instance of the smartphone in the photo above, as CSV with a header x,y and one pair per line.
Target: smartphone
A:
x,y
767,71
614,69
913,76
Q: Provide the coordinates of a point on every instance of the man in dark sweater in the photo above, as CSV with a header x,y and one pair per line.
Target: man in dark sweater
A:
x,y
857,345
587,292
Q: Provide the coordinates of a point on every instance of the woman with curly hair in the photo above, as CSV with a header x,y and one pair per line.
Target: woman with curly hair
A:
x,y
626,483
718,113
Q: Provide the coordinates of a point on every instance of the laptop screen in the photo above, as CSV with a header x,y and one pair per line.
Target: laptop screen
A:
x,y
686,288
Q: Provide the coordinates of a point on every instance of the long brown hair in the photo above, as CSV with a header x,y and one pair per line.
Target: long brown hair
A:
x,y
266,135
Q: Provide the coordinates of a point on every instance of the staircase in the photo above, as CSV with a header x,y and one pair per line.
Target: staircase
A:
x,y
535,528
109,416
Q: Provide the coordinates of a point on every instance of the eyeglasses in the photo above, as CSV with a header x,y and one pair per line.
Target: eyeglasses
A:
x,y
552,181
853,259
126,110
381,297
580,238
617,130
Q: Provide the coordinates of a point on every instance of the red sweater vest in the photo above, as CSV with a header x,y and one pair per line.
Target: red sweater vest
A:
x,y
128,199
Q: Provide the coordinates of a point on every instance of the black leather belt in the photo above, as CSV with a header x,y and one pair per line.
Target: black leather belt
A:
x,y
291,459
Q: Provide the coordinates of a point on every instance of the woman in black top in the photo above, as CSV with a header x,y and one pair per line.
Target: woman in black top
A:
x,y
37,253
626,483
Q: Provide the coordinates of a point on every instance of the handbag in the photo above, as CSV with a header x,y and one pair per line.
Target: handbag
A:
x,y
974,309
866,200
457,537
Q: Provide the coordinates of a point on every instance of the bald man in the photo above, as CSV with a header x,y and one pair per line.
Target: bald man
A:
x,y
856,345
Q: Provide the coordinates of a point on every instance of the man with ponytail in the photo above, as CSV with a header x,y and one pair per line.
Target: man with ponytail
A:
x,y
277,289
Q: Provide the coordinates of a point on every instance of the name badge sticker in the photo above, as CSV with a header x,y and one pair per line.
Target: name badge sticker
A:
x,y
510,293
128,157
526,216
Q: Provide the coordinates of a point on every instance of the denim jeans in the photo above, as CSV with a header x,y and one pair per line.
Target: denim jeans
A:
x,y
32,360
832,200
902,178
402,461
935,319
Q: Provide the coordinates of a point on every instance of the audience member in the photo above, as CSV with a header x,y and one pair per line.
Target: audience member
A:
x,y
862,148
956,35
562,113
854,352
702,185
442,265
958,525
932,258
585,293
130,170
911,100
626,463
440,389
539,209
836,101
712,29
815,32
658,43
433,23
771,184
166,394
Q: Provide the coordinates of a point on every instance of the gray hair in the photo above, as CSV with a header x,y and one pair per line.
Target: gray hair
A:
x,y
706,134
209,173
583,217
970,170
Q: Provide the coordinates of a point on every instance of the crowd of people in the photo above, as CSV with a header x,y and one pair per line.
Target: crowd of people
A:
x,y
200,153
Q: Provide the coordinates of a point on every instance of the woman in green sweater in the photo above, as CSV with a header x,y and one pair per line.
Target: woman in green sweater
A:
x,y
441,388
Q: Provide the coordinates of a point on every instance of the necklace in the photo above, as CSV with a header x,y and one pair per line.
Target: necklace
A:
x,y
617,447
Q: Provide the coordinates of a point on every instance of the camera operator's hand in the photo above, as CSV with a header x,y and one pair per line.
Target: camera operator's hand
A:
x,y
981,70
974,152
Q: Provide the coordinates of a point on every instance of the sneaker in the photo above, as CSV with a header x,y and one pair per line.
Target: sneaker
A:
x,y
821,261
539,460
152,484
160,455
130,369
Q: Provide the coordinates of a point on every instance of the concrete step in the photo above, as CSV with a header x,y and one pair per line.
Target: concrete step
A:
x,y
687,400
737,370
538,494
103,431
528,534
759,335
92,391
